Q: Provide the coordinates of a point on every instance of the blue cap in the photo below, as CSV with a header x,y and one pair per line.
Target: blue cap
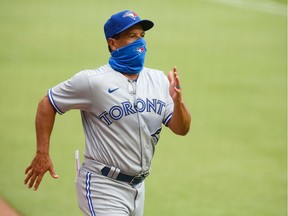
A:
x,y
123,20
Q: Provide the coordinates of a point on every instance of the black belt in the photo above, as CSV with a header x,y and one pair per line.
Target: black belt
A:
x,y
132,180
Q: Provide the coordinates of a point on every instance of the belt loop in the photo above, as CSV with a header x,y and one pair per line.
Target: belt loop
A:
x,y
116,173
111,172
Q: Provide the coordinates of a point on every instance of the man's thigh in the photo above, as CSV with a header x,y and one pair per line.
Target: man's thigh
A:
x,y
101,196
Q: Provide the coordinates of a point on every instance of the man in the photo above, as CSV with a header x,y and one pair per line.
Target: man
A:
x,y
123,106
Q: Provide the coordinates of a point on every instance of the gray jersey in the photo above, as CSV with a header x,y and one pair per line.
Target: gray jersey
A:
x,y
122,119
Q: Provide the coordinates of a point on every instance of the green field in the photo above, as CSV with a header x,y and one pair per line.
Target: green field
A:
x,y
232,60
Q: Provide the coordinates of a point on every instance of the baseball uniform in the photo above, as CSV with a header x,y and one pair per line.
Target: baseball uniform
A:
x,y
122,121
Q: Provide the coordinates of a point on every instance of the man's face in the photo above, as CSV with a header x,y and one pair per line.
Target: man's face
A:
x,y
126,37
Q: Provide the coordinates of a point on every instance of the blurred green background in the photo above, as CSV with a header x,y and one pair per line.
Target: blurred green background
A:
x,y
232,60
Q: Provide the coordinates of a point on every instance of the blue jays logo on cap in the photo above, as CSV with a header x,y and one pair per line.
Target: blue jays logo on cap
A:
x,y
123,20
130,14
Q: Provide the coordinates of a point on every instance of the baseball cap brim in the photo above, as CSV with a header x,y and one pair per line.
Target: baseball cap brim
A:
x,y
146,24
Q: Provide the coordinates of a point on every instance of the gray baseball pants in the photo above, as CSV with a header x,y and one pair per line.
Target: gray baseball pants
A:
x,y
99,195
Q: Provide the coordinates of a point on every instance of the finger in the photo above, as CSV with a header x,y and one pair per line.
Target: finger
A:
x,y
177,84
178,89
175,69
32,180
176,80
27,169
53,173
38,181
176,76
170,77
175,72
28,177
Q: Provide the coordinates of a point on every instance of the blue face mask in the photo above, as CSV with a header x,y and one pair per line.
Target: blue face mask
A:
x,y
130,58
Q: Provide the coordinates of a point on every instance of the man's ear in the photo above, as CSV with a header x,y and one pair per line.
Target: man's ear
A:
x,y
112,44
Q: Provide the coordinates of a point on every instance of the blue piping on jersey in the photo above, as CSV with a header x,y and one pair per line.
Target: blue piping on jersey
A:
x,y
168,118
88,194
50,95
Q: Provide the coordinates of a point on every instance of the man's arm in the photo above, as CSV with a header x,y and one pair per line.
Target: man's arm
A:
x,y
181,118
42,163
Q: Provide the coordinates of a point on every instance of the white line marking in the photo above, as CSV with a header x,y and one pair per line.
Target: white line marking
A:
x,y
262,5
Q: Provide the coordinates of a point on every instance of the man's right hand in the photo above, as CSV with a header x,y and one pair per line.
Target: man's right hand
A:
x,y
38,167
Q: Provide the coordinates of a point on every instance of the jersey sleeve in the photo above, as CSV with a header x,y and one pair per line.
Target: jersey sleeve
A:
x,y
169,102
74,93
